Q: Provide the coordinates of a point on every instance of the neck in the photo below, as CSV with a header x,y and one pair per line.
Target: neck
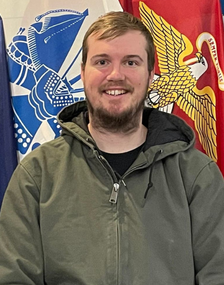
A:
x,y
118,142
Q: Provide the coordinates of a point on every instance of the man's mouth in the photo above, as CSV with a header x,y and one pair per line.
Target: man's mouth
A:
x,y
115,92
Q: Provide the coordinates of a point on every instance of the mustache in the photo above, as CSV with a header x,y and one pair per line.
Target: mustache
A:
x,y
118,84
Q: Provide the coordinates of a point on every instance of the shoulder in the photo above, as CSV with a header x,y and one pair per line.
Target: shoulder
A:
x,y
200,172
48,157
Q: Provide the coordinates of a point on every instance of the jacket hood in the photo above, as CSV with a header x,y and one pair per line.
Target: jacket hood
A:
x,y
163,128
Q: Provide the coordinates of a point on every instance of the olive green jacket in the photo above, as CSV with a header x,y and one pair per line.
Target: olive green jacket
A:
x,y
67,219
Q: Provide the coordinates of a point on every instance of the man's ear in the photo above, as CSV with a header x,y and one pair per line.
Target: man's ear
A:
x,y
82,71
151,76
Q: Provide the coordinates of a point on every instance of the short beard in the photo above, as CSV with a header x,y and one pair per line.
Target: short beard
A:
x,y
124,123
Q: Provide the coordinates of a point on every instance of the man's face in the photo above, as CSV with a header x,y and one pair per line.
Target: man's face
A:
x,y
116,78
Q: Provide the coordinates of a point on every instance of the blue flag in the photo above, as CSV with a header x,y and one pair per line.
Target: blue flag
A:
x,y
44,62
222,6
8,158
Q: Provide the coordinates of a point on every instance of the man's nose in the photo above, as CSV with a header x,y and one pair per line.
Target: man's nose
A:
x,y
115,73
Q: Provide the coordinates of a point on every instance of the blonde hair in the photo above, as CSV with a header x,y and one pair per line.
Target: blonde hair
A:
x,y
114,24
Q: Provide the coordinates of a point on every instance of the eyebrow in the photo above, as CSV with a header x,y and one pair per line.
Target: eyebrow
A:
x,y
103,55
133,56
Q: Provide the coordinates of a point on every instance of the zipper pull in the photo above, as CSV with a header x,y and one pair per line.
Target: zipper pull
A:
x,y
114,193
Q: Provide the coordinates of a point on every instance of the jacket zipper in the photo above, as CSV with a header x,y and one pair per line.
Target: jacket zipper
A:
x,y
114,193
116,182
113,258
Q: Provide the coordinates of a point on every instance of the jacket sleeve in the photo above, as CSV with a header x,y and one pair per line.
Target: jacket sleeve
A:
x,y
21,257
207,216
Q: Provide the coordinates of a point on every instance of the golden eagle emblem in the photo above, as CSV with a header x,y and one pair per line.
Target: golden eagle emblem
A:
x,y
178,79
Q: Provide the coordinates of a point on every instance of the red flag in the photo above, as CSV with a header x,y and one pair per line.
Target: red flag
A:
x,y
189,41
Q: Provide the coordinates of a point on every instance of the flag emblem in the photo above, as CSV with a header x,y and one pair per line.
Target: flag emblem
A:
x,y
177,81
36,55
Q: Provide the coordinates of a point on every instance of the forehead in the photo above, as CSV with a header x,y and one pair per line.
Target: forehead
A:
x,y
132,42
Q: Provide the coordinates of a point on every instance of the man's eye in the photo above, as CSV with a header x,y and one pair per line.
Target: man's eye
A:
x,y
101,62
131,63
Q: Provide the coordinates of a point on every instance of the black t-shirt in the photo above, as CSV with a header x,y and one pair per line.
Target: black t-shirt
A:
x,y
120,162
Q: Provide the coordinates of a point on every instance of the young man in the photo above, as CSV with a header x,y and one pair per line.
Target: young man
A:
x,y
122,197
